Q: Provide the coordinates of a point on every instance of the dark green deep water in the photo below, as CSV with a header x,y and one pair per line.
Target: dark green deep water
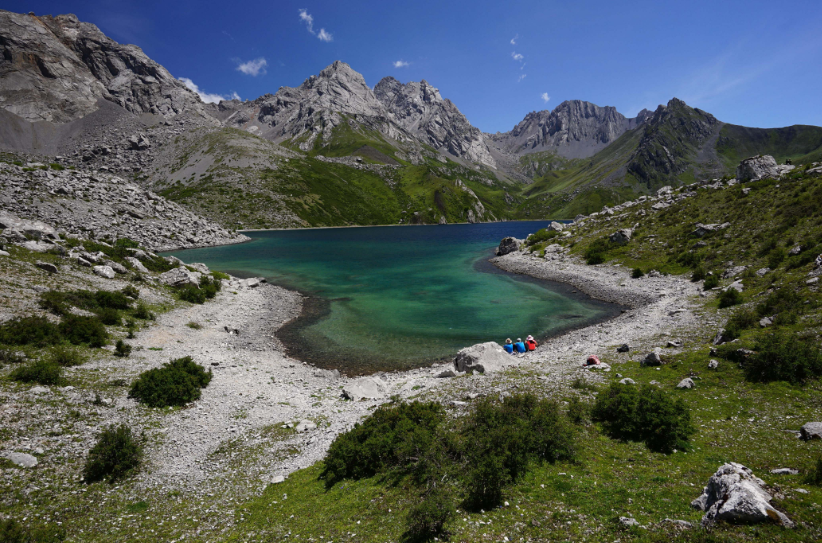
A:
x,y
387,298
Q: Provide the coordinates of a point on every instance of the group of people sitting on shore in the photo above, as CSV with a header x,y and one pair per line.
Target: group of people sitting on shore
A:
x,y
520,346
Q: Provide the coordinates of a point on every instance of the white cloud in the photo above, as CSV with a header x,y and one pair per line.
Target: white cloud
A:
x,y
516,56
253,67
521,77
545,97
401,64
308,19
206,97
514,39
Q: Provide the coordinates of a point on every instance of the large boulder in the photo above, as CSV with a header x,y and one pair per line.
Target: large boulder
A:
x,y
104,271
136,264
483,357
622,236
508,245
31,229
757,167
652,359
734,494
811,430
371,388
21,459
179,277
555,226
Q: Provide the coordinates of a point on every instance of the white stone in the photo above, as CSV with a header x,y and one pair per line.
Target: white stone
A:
x,y
104,271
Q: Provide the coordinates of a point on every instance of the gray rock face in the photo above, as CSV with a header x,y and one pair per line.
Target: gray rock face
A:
x,y
483,357
365,388
734,494
56,68
179,277
47,267
622,236
508,245
756,168
20,228
419,109
21,459
652,359
811,430
686,383
574,129
104,271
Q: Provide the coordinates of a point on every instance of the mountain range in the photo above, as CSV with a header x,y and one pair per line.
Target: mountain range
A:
x,y
334,151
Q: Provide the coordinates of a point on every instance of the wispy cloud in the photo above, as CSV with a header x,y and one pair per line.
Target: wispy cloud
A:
x,y
521,77
225,33
308,19
207,97
253,67
517,56
514,39
545,97
401,64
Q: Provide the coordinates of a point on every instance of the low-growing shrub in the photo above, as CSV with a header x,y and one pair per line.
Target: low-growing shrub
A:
x,y
112,299
776,257
65,356
636,273
219,276
10,357
646,414
194,325
698,274
541,235
13,532
711,281
779,301
740,321
130,327
784,356
116,455
814,475
110,317
427,519
595,253
191,293
142,312
36,331
579,412
122,349
175,383
43,372
501,439
390,438
130,291
729,297
83,330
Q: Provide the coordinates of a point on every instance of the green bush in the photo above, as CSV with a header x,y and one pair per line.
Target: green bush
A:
x,y
814,475
783,356
776,257
729,297
579,412
394,436
122,349
65,356
13,532
130,291
43,372
596,252
142,312
219,276
10,357
540,236
112,299
711,281
636,273
698,274
116,455
110,317
191,293
740,321
83,330
501,439
779,301
427,519
644,414
176,383
36,331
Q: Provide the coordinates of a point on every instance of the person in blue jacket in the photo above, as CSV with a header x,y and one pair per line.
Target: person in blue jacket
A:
x,y
509,346
519,346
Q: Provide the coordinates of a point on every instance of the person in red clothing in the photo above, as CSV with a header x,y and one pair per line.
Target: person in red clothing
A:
x,y
530,344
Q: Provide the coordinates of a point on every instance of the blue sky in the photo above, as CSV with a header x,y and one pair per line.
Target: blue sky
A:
x,y
751,63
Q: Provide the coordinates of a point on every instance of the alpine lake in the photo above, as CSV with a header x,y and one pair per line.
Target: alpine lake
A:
x,y
398,297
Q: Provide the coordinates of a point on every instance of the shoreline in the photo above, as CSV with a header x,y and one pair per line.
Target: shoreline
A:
x,y
385,225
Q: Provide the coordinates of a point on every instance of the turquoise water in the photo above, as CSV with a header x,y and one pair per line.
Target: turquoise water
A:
x,y
385,298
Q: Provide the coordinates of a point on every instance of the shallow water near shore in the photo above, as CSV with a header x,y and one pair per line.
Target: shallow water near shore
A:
x,y
392,298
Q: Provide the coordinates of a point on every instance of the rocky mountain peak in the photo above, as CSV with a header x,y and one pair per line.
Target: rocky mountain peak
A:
x,y
56,68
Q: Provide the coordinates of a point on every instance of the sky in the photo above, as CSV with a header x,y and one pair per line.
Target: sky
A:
x,y
751,63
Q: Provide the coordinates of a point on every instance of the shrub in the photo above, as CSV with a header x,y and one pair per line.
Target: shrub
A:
x,y
783,356
112,299
501,439
210,286
13,532
779,301
698,274
390,438
192,294
10,357
43,372
122,349
36,331
130,326
79,330
711,281
644,414
130,291
219,276
116,455
540,236
595,253
776,257
109,316
636,273
579,412
814,476
740,321
142,312
176,383
65,356
729,297
194,325
428,518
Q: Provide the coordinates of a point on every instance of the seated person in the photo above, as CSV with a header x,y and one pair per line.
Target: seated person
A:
x,y
509,346
519,346
530,343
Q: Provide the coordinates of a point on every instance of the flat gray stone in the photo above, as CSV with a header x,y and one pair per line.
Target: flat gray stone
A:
x,y
686,383
785,471
371,388
104,271
21,459
811,430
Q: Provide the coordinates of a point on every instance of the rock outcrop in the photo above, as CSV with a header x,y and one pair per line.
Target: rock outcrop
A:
x,y
56,68
483,357
734,494
419,109
756,168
